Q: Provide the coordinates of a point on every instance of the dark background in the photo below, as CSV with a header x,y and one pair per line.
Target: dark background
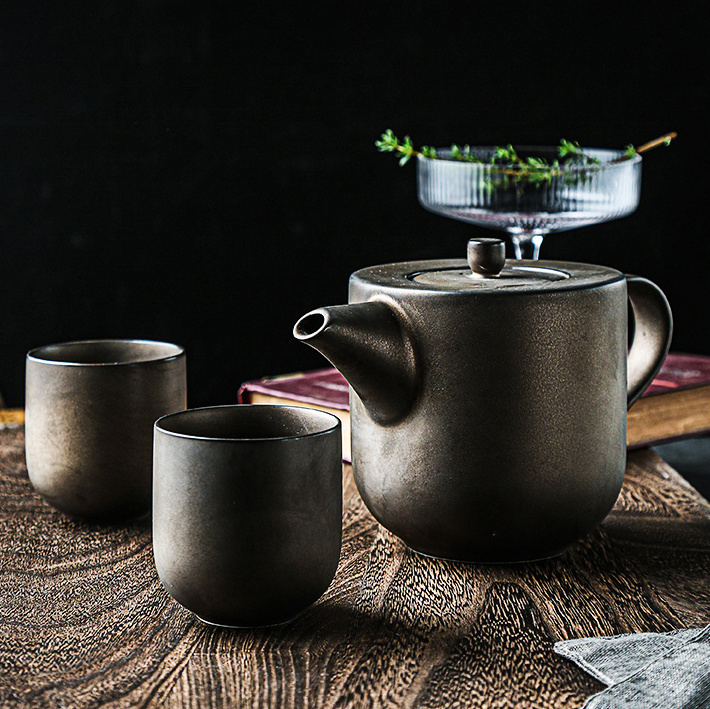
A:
x,y
206,173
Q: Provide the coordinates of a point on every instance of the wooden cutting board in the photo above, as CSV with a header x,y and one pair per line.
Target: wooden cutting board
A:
x,y
84,621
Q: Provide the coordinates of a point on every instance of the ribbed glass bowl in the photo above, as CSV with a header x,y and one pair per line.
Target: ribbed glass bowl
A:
x,y
494,196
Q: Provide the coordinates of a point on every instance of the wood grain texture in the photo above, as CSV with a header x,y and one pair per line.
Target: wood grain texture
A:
x,y
84,621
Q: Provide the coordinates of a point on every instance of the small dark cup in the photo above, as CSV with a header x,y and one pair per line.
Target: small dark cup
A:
x,y
247,510
90,410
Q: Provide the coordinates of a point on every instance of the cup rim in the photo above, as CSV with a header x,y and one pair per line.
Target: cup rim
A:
x,y
35,354
158,426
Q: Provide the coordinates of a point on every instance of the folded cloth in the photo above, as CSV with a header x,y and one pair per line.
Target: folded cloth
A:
x,y
646,670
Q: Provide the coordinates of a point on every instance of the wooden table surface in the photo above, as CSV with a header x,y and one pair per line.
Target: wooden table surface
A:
x,y
84,621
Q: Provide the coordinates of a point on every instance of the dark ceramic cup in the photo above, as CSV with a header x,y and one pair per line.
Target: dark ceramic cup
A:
x,y
247,510
90,410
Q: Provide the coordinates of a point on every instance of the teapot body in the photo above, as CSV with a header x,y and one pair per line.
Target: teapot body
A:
x,y
514,444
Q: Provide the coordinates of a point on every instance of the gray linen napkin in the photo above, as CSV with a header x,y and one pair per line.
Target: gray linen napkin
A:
x,y
646,670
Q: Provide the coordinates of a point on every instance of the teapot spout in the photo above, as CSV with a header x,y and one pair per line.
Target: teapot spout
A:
x,y
366,342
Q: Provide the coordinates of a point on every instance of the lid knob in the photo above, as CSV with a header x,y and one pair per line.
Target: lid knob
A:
x,y
486,256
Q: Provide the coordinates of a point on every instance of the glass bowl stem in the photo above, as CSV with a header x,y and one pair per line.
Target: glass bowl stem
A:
x,y
527,244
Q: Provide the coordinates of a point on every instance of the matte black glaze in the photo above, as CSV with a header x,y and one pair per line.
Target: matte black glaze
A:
x,y
90,410
247,510
507,441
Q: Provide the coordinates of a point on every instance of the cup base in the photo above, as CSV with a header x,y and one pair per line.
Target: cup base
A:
x,y
256,626
493,560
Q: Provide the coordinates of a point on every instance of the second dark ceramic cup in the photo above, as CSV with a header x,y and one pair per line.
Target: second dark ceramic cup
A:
x,y
90,410
247,510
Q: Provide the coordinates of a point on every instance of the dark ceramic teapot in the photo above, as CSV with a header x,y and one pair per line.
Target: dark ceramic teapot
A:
x,y
488,399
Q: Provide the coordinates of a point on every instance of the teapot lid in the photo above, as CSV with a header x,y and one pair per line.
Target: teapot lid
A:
x,y
488,270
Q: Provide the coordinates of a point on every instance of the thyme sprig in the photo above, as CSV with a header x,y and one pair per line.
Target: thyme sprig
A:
x,y
512,167
389,143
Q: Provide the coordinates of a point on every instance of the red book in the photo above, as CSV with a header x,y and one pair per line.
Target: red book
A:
x,y
324,389
676,405
321,387
681,371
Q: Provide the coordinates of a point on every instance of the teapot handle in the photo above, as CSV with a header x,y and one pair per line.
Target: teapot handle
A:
x,y
652,335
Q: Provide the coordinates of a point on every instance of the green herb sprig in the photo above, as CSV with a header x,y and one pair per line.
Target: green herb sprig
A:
x,y
513,168
389,143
